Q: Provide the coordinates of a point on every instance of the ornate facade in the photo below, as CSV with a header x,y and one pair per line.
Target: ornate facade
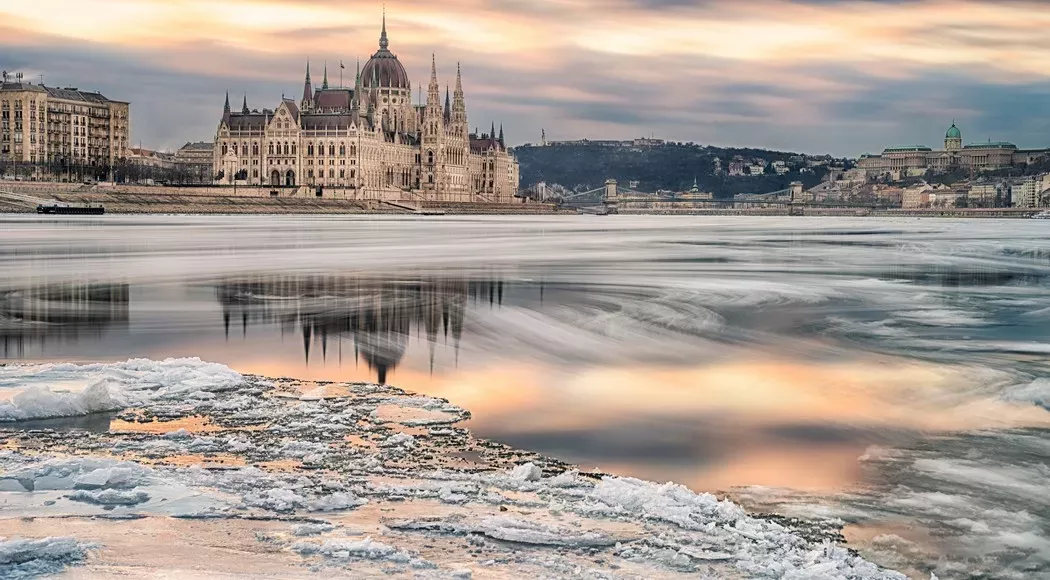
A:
x,y
916,159
370,142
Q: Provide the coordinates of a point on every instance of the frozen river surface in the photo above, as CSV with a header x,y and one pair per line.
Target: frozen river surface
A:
x,y
891,374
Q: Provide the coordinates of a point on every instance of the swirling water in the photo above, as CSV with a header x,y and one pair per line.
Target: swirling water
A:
x,y
890,373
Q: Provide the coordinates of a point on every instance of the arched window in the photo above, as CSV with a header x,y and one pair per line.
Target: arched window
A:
x,y
244,149
224,149
331,148
342,149
430,157
255,148
271,147
310,149
293,148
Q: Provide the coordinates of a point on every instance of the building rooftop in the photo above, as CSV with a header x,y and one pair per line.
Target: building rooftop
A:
x,y
902,148
991,145
21,86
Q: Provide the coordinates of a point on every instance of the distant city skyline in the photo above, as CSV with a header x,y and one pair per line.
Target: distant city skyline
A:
x,y
835,77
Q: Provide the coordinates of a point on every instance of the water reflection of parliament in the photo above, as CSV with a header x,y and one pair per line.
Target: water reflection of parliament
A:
x,y
377,316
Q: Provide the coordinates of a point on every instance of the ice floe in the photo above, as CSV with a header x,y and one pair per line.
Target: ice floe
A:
x,y
508,511
67,390
28,558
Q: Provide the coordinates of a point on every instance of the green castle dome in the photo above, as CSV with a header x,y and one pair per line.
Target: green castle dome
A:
x,y
953,133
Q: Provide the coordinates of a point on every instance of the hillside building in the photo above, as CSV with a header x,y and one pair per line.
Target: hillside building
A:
x,y
915,160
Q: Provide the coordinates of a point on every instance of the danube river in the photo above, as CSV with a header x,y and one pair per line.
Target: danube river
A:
x,y
890,373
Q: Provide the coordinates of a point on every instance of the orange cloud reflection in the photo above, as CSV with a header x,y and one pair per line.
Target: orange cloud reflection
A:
x,y
744,404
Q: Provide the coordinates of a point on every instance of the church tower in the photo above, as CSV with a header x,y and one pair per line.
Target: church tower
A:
x,y
307,103
459,109
433,132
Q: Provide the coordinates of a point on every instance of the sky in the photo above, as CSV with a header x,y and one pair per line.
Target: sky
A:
x,y
819,76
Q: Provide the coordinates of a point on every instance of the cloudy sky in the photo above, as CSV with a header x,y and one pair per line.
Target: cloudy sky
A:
x,y
838,76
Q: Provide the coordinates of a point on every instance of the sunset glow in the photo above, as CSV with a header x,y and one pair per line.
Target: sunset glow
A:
x,y
744,73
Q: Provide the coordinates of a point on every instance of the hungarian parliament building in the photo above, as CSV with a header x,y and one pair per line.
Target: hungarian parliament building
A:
x,y
369,142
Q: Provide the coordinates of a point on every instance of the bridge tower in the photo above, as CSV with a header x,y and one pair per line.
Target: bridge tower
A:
x,y
611,197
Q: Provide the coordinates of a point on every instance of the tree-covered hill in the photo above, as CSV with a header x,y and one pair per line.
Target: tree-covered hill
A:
x,y
663,167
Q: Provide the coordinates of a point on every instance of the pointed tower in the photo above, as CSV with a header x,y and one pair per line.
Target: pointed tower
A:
x,y
384,43
433,131
434,115
226,108
492,131
459,109
447,115
324,84
502,143
358,105
373,98
308,91
244,106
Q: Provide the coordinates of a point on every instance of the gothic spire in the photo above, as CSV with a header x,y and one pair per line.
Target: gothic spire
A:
x,y
226,107
244,107
448,107
459,107
324,85
433,91
501,142
383,42
492,132
308,89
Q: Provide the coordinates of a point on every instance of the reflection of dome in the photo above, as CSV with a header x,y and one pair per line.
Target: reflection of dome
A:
x,y
953,133
382,350
384,69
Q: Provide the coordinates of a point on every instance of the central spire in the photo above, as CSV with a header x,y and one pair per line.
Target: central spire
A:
x,y
383,42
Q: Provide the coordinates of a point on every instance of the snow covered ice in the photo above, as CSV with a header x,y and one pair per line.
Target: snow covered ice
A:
x,y
334,486
68,390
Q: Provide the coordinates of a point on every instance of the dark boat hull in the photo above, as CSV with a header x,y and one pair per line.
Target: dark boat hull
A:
x,y
70,210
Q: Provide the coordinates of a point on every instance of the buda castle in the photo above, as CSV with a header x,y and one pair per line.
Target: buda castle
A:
x,y
914,160
369,142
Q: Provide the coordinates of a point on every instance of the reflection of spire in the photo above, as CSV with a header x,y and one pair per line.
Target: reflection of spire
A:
x,y
380,317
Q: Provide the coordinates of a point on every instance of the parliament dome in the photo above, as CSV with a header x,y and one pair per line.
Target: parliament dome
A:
x,y
384,70
953,133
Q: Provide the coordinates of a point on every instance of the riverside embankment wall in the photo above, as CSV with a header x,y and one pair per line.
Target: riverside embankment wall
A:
x,y
241,200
